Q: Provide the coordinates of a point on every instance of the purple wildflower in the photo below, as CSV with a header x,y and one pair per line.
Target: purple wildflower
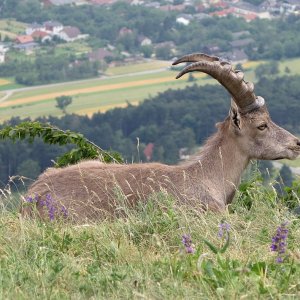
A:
x,y
53,208
64,211
223,228
31,199
279,242
50,204
187,243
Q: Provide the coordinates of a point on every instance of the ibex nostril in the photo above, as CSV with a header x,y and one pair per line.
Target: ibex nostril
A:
x,y
298,143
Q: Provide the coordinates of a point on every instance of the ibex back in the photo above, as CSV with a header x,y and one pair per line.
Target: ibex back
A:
x,y
89,189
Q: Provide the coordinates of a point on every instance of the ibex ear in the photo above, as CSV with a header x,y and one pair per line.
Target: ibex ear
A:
x,y
235,115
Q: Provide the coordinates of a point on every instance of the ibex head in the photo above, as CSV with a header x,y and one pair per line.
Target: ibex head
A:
x,y
249,120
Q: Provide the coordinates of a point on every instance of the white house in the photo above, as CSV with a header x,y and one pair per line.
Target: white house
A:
x,y
184,19
53,27
2,57
71,34
144,41
34,27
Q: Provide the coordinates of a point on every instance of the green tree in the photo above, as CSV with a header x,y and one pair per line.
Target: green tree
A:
x,y
163,52
287,70
147,51
29,168
63,102
286,175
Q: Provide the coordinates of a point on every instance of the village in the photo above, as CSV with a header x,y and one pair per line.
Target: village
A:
x,y
52,32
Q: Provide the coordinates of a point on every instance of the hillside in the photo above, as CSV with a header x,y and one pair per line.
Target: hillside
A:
x,y
173,120
143,256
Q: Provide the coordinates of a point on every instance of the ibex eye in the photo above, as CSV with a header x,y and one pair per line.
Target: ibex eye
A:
x,y
262,127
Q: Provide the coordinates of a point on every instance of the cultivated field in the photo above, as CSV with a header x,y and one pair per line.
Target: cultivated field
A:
x,y
11,28
132,84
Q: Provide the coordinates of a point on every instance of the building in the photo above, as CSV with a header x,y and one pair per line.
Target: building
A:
x,y
53,27
2,57
99,54
236,56
242,43
24,39
28,48
71,34
144,41
41,36
184,19
34,27
61,2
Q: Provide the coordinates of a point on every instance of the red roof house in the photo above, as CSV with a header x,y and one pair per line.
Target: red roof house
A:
x,y
24,39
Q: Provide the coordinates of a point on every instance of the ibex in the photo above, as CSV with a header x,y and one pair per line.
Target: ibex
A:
x,y
89,189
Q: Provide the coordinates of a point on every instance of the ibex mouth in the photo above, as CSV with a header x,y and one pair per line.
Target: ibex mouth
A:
x,y
278,158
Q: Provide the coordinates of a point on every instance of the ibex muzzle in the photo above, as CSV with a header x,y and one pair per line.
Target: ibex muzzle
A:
x,y
209,180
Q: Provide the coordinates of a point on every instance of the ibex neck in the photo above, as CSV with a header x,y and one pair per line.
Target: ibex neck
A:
x,y
219,166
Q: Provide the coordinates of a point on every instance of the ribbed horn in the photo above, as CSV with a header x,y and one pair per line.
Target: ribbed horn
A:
x,y
195,57
233,80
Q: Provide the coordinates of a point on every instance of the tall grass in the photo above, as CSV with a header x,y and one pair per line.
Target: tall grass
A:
x,y
142,256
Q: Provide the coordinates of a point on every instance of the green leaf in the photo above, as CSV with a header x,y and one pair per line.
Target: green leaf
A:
x,y
224,248
211,246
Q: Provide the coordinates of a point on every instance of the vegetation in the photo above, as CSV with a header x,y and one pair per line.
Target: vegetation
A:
x,y
271,39
52,135
159,251
173,120
94,95
62,102
47,68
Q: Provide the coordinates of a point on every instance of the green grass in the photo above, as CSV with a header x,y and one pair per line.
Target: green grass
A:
x,y
12,26
74,48
142,256
93,101
139,67
10,85
292,64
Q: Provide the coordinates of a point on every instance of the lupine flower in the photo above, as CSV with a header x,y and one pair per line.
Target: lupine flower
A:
x,y
64,211
187,243
279,241
31,199
53,208
50,206
223,228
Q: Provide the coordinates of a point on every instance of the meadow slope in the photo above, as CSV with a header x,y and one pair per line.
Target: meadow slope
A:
x,y
143,257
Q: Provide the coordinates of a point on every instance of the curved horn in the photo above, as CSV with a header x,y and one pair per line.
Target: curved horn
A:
x,y
233,80
195,57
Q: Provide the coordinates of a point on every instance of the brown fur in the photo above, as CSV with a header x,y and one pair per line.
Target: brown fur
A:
x,y
92,190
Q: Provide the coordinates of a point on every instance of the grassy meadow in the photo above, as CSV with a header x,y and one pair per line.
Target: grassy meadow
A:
x,y
143,256
132,83
11,28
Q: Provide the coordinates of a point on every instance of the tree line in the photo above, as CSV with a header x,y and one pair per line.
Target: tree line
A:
x,y
48,68
172,120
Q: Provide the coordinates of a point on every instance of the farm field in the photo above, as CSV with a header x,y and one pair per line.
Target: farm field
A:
x,y
100,94
139,67
11,27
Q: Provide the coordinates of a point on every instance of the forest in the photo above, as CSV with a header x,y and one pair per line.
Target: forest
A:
x,y
172,120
